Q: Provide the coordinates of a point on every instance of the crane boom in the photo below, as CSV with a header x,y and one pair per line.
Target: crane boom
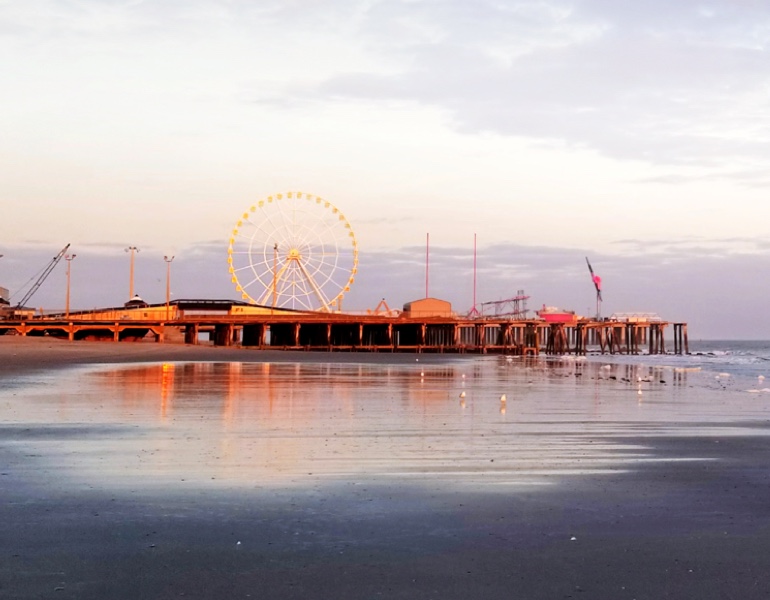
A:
x,y
46,272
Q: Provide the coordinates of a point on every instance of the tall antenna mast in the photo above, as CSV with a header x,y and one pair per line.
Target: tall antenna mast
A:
x,y
427,261
474,311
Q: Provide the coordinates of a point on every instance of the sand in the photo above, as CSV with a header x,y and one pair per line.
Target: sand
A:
x,y
690,521
25,354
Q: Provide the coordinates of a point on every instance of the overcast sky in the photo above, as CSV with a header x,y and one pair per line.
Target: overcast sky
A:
x,y
635,133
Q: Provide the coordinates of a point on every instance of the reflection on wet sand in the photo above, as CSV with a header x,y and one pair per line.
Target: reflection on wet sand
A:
x,y
486,421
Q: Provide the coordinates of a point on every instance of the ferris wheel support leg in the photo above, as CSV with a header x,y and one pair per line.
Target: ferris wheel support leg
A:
x,y
321,298
270,292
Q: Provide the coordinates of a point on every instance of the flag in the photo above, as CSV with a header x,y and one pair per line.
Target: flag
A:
x,y
596,279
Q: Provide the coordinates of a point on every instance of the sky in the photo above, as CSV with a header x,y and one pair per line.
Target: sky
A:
x,y
633,133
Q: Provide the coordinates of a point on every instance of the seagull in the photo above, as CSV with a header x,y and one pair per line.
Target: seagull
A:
x,y
503,398
462,394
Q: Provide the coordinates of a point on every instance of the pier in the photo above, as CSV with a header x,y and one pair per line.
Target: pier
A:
x,y
226,323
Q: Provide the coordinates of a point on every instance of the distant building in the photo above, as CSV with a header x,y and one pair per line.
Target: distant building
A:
x,y
428,307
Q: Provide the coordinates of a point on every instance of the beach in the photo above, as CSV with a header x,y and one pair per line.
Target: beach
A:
x,y
167,471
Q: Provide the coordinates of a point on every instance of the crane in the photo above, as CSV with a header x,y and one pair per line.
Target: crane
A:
x,y
46,272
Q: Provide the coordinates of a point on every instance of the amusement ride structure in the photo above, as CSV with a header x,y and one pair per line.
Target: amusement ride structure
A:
x,y
293,250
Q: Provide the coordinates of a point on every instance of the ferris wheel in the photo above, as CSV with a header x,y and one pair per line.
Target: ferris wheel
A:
x,y
293,250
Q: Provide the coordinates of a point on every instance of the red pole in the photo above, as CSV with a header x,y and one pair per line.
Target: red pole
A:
x,y
474,272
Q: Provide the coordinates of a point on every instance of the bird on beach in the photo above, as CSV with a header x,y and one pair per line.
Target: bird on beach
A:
x,y
503,398
462,394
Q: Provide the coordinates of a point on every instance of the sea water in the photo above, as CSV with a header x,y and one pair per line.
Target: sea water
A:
x,y
470,421
746,362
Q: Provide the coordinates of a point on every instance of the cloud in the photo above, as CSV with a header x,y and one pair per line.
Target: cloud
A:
x,y
662,83
714,291
710,283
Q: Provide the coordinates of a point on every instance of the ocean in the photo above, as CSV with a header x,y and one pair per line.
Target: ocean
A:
x,y
469,420
747,362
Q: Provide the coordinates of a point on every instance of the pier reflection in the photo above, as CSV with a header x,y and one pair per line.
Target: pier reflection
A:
x,y
285,395
487,420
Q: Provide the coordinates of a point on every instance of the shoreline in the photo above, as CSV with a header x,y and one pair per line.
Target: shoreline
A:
x,y
129,485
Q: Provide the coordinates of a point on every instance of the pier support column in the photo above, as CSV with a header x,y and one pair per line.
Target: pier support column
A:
x,y
223,334
676,339
252,335
580,339
191,334
531,339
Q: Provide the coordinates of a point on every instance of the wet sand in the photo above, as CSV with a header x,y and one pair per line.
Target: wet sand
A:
x,y
22,355
688,516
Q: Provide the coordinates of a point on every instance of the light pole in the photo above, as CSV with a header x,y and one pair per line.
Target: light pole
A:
x,y
168,283
275,273
69,258
132,250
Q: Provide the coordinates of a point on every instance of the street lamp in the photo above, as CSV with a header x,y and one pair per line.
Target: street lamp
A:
x,y
69,258
275,273
168,283
132,250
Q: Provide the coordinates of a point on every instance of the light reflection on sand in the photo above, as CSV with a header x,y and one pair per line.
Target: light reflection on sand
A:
x,y
247,424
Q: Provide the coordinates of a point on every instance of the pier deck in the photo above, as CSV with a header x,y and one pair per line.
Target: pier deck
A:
x,y
370,333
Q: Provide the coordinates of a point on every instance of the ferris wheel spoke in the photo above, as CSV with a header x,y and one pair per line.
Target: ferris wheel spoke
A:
x,y
278,231
265,242
258,275
258,229
288,225
251,282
